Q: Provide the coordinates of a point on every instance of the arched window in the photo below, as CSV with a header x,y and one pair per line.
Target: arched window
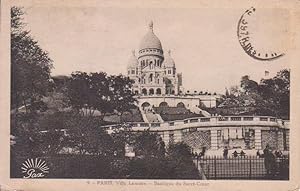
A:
x,y
163,104
180,104
151,78
151,91
158,91
144,91
145,104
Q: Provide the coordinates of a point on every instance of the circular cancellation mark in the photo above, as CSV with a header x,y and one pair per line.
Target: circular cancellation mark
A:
x,y
246,40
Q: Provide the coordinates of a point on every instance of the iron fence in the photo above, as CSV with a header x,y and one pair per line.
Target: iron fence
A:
x,y
248,167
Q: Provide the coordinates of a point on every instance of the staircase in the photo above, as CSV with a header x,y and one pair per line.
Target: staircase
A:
x,y
200,111
144,116
149,116
152,117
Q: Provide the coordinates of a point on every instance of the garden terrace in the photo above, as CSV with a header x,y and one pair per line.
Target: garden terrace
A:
x,y
175,113
133,116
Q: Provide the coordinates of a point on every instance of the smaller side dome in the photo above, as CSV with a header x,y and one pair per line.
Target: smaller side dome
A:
x,y
169,62
133,62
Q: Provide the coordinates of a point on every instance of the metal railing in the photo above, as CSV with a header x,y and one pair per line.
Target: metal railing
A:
x,y
247,167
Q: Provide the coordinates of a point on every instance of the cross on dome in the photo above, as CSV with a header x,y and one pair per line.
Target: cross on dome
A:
x,y
169,62
151,25
150,40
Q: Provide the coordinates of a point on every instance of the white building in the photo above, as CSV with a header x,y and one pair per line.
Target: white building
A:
x,y
156,79
153,71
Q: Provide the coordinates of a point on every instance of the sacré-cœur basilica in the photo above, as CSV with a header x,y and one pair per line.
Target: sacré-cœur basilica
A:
x,y
177,115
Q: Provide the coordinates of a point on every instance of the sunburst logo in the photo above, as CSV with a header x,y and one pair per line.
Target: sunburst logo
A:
x,y
34,168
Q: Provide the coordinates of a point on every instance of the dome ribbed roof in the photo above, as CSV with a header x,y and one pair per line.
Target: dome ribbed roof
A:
x,y
169,62
133,62
150,40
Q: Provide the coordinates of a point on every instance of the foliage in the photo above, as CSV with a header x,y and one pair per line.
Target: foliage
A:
x,y
122,96
180,158
276,92
176,164
57,100
25,132
86,137
50,134
269,97
122,135
30,66
88,93
149,144
69,166
97,91
179,151
38,134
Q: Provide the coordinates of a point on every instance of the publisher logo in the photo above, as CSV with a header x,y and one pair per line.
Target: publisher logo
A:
x,y
34,168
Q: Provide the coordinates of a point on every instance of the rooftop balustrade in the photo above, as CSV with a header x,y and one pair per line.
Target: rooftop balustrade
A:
x,y
214,121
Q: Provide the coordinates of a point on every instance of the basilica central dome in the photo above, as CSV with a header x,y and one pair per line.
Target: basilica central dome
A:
x,y
150,40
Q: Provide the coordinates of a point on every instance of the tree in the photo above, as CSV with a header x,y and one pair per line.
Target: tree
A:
x,y
248,86
89,92
39,135
269,97
85,136
57,100
30,66
149,144
122,96
276,92
122,135
24,129
179,151
97,91
181,161
234,91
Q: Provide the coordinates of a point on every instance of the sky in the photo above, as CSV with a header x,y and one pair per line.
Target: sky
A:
x,y
203,41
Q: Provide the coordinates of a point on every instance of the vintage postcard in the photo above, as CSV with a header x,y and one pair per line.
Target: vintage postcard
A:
x,y
149,95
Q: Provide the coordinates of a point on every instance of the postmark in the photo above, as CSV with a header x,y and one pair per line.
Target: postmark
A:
x,y
246,40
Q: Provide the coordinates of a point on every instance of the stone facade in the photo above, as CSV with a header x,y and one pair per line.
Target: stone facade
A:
x,y
173,100
271,138
197,140
216,133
